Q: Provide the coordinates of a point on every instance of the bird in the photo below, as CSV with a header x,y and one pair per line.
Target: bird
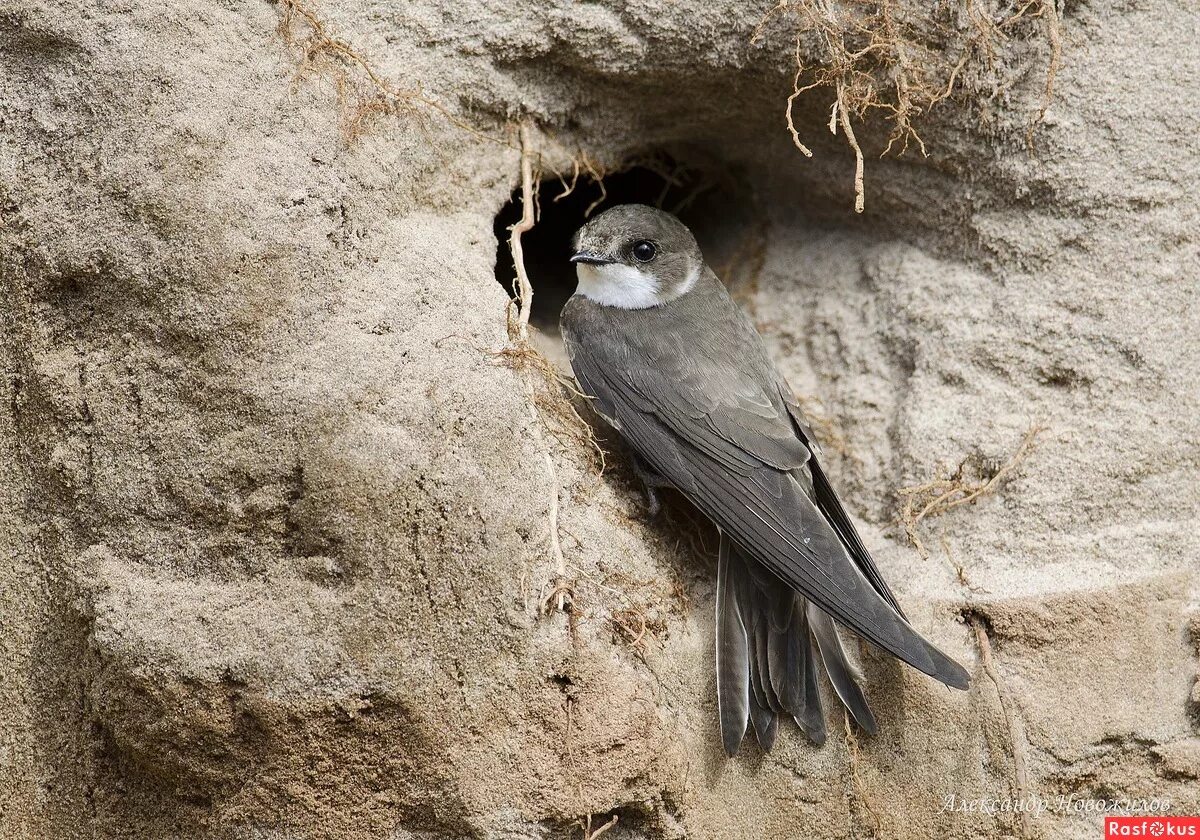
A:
x,y
676,367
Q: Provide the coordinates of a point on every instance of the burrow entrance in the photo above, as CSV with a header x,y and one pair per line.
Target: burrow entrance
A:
x,y
715,203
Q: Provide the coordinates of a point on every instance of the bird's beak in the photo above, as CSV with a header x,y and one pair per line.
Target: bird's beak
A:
x,y
591,259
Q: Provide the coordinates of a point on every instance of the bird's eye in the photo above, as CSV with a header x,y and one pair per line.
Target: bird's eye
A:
x,y
644,251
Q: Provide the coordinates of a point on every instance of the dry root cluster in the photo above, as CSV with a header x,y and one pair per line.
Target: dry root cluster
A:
x,y
964,485
363,93
899,60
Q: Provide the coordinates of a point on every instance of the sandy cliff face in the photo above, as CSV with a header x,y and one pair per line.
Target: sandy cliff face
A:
x,y
274,513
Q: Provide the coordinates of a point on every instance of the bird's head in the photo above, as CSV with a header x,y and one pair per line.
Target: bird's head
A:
x,y
634,257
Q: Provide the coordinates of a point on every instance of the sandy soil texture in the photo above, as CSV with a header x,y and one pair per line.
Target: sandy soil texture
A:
x,y
275,500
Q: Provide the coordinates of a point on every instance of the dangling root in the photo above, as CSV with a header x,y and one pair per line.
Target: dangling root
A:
x,y
880,57
519,334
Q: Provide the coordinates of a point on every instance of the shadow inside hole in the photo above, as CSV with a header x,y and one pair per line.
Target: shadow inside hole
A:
x,y
717,207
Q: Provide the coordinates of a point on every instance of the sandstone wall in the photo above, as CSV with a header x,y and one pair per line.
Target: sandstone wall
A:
x,y
274,514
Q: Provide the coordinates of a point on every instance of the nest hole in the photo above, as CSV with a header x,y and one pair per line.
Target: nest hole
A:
x,y
714,203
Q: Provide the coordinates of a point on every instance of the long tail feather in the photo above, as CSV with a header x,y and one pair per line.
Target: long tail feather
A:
x,y
769,640
764,718
733,652
787,650
783,661
843,673
810,717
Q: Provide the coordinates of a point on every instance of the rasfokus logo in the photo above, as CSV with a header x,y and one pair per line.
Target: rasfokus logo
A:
x,y
1138,826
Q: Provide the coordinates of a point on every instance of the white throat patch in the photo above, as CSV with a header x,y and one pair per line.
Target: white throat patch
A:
x,y
622,286
626,287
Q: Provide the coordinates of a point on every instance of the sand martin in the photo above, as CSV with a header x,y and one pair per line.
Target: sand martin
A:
x,y
676,367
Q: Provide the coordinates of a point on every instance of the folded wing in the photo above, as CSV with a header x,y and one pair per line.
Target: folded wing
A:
x,y
729,443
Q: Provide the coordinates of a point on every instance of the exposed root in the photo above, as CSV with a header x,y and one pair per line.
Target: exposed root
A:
x,y
860,789
960,572
791,102
567,189
551,397
362,92
1054,34
585,822
683,519
597,174
643,606
568,740
742,269
839,109
524,288
1016,728
589,834
647,605
631,625
520,336
585,169
555,542
581,162
877,57
948,492
561,592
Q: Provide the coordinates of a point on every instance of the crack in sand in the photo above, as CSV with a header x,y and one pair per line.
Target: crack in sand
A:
x,y
1018,741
